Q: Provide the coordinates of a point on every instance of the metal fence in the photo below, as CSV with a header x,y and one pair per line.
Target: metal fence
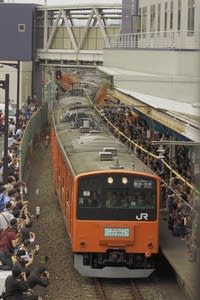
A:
x,y
183,39
31,137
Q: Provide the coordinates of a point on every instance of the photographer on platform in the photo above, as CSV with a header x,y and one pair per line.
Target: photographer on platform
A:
x,y
16,287
40,276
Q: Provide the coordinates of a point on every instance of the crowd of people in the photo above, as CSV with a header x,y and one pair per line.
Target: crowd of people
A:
x,y
18,247
176,191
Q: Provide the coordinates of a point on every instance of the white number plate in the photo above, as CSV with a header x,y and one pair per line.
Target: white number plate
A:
x,y
118,232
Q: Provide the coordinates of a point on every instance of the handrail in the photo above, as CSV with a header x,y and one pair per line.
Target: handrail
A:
x,y
182,39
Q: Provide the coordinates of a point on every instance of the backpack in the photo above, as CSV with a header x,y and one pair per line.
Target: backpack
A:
x,y
3,294
2,198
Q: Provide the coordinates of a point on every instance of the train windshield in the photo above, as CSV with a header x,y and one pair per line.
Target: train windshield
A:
x,y
117,197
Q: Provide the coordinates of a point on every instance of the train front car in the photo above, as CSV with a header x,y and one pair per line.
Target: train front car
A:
x,y
109,198
116,233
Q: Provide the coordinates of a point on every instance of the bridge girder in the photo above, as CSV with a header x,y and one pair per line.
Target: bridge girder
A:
x,y
75,33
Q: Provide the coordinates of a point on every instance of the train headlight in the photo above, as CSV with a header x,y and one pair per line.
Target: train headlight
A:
x,y
124,180
110,180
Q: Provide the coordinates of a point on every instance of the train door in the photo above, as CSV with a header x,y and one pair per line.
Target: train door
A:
x,y
68,215
59,179
63,190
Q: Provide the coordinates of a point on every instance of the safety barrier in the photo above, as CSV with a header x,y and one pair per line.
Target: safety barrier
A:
x,y
31,137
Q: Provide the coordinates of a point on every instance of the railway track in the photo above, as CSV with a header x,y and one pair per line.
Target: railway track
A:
x,y
65,282
117,290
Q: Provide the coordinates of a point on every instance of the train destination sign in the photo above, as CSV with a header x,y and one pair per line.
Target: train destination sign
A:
x,y
117,232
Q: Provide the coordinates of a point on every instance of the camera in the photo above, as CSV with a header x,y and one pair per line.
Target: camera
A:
x,y
45,274
37,247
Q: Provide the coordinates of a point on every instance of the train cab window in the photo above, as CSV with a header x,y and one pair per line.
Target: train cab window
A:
x,y
117,201
87,202
89,199
128,199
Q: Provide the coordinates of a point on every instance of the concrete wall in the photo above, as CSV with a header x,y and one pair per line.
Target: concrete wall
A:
x,y
25,81
183,15
179,63
4,69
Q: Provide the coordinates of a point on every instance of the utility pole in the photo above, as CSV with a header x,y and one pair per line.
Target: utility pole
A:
x,y
17,67
18,89
4,84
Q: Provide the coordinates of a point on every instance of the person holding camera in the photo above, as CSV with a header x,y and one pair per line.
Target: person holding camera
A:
x,y
30,252
40,276
16,287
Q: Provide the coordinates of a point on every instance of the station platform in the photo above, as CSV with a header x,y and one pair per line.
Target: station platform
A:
x,y
3,276
175,251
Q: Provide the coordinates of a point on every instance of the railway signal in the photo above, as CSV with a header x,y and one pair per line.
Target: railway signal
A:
x,y
58,74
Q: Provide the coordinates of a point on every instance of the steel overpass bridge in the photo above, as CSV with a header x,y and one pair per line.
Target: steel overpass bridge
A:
x,y
75,33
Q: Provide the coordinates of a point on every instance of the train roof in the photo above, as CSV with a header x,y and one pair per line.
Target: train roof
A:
x,y
86,141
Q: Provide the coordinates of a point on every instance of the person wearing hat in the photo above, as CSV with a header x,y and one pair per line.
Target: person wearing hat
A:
x,y
16,286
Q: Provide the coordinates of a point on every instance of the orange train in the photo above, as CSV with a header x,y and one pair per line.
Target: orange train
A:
x,y
109,198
